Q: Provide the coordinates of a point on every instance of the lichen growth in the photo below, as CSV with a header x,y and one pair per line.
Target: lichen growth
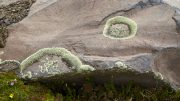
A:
x,y
121,65
72,61
9,61
49,67
120,33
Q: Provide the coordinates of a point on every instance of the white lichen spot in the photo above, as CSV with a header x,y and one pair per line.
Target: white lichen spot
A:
x,y
159,75
28,75
121,65
1,52
49,67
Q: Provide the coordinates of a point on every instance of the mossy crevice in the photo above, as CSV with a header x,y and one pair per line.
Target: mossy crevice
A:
x,y
120,33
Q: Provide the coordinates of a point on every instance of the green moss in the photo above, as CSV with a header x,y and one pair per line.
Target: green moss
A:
x,y
116,84
132,27
14,89
72,60
89,90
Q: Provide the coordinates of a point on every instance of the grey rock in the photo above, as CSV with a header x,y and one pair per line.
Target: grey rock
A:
x,y
7,2
167,64
46,66
140,63
176,18
9,65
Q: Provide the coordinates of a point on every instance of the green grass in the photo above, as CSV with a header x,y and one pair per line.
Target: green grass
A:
x,y
21,92
120,20
87,91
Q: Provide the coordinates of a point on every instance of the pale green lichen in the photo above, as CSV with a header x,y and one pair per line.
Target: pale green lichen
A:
x,y
9,61
131,32
49,67
72,60
86,68
121,65
27,75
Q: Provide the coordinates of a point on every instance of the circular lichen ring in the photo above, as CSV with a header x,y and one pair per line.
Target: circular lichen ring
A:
x,y
132,27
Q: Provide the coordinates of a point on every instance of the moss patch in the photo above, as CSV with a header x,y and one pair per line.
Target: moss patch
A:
x,y
110,85
13,89
120,27
85,90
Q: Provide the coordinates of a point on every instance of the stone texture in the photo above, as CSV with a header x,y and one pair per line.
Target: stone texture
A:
x,y
176,18
6,66
48,65
7,2
78,24
167,63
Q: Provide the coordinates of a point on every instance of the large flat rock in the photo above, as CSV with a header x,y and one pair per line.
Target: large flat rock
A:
x,y
77,25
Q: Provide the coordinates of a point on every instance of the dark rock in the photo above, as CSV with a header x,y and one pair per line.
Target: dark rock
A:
x,y
176,18
3,35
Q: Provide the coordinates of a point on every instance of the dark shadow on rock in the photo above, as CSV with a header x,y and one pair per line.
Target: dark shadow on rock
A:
x,y
117,76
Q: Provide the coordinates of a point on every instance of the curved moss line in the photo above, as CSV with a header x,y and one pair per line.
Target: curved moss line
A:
x,y
66,55
120,20
10,61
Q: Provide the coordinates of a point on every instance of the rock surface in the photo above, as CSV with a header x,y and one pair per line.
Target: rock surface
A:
x,y
77,25
7,2
46,66
167,63
9,65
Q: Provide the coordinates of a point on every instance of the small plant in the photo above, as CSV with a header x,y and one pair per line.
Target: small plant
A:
x,y
120,27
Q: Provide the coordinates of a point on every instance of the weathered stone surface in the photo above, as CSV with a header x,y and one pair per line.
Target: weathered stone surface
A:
x,y
70,28
12,13
46,66
174,3
140,63
7,2
51,61
78,24
167,64
9,65
176,18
